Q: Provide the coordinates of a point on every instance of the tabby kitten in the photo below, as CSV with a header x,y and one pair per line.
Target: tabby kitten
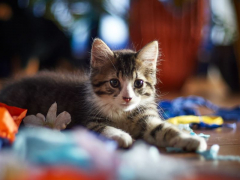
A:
x,y
117,98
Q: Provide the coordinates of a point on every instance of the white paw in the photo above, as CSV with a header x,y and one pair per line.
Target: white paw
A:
x,y
123,139
189,143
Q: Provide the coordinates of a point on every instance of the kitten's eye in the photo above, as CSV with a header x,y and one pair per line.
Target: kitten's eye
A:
x,y
114,83
138,83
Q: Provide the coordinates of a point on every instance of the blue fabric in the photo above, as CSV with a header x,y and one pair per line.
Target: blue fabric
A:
x,y
50,147
44,146
229,114
4,143
188,106
205,125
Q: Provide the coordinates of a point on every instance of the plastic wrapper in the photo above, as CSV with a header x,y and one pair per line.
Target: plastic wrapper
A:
x,y
78,148
145,162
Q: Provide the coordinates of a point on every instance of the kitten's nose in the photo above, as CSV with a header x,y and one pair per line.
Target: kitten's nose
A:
x,y
127,99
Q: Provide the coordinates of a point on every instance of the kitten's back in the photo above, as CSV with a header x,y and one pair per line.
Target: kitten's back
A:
x,y
39,92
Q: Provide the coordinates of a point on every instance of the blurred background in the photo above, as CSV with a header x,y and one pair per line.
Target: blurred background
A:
x,y
200,48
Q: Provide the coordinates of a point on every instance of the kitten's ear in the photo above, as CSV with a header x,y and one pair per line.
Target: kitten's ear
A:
x,y
100,53
149,54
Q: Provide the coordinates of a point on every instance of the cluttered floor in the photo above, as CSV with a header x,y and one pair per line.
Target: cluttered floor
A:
x,y
78,154
227,137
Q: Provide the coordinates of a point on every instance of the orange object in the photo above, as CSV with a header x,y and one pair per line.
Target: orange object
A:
x,y
17,113
62,173
10,120
179,31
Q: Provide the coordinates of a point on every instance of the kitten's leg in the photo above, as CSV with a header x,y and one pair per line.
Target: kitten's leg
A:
x,y
166,135
123,139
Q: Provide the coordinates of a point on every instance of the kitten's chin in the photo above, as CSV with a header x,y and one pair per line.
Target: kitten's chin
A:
x,y
128,107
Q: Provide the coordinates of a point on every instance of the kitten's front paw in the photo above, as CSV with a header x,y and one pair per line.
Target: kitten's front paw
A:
x,y
189,143
124,140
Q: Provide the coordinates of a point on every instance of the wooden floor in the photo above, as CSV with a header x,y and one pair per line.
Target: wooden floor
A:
x,y
228,139
229,142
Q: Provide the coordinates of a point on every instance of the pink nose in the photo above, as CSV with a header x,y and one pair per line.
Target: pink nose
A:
x,y
127,99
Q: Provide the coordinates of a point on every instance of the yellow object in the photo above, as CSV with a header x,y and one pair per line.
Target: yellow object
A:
x,y
196,119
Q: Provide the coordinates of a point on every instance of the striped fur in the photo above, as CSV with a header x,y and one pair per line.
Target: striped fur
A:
x,y
117,98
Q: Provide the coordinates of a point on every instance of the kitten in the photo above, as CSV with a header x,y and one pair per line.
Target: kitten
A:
x,y
116,99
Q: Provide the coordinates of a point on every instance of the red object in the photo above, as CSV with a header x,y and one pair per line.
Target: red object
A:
x,y
10,120
179,32
63,173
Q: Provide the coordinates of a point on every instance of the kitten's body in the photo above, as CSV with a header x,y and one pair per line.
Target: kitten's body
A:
x,y
117,99
38,93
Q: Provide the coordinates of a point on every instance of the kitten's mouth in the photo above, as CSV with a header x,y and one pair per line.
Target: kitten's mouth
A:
x,y
127,106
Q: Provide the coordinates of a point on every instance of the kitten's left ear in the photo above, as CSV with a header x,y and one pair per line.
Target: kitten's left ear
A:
x,y
149,54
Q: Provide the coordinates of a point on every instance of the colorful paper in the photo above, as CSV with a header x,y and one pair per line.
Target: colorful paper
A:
x,y
196,119
10,120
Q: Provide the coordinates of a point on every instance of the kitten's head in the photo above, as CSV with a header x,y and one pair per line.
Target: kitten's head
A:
x,y
123,79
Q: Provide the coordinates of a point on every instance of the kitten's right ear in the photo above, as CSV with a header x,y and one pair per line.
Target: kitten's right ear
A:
x,y
100,53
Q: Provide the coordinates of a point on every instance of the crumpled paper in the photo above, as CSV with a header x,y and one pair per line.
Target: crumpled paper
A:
x,y
51,121
10,120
